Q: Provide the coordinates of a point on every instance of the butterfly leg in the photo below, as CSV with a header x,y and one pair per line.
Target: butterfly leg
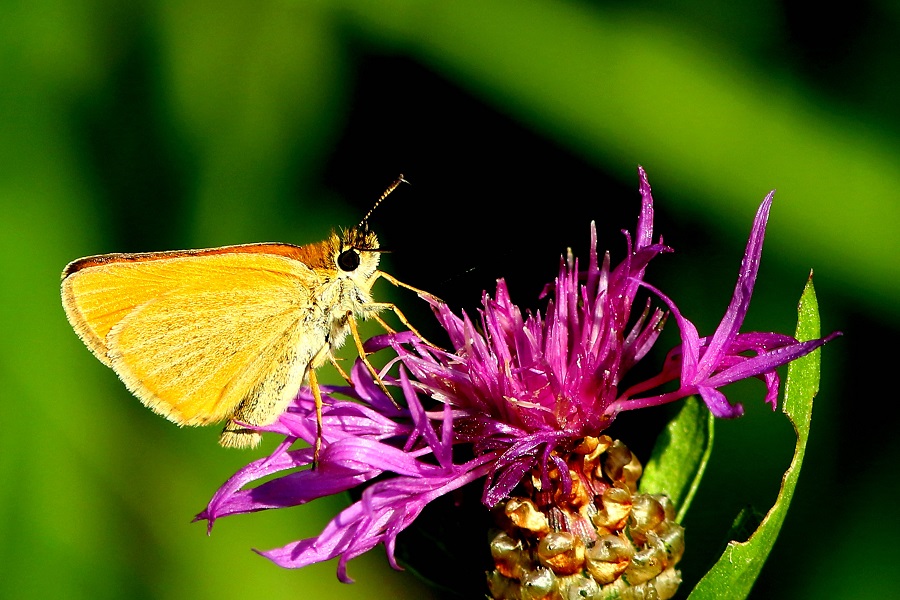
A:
x,y
384,324
339,368
393,308
317,397
354,331
393,280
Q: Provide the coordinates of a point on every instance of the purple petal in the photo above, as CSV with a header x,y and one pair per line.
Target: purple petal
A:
x,y
767,361
644,235
293,489
690,339
386,508
718,404
743,291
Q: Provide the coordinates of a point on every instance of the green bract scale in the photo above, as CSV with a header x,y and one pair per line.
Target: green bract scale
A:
x,y
596,538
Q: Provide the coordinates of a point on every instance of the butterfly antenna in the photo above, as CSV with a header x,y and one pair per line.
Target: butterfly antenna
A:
x,y
384,195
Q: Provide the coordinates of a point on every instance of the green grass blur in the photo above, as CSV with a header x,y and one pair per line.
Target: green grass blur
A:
x,y
151,126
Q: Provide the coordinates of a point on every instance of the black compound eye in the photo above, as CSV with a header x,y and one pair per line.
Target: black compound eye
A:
x,y
348,260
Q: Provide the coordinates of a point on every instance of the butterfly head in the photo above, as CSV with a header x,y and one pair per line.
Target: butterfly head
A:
x,y
356,252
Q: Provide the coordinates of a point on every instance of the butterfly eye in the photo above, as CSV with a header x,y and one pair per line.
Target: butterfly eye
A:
x,y
348,260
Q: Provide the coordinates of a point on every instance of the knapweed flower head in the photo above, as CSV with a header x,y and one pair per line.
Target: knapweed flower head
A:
x,y
528,395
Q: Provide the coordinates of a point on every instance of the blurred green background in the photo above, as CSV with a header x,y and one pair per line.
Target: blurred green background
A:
x,y
158,125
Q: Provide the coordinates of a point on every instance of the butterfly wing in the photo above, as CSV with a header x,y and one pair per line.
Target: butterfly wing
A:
x,y
193,334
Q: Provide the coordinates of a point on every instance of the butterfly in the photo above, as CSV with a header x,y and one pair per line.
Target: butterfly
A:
x,y
230,333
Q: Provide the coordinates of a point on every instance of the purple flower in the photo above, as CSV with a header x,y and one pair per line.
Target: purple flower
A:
x,y
518,391
363,438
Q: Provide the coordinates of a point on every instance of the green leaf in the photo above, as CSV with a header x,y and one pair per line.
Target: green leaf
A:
x,y
732,577
680,456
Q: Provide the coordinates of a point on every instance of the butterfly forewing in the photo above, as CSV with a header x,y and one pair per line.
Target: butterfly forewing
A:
x,y
191,334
